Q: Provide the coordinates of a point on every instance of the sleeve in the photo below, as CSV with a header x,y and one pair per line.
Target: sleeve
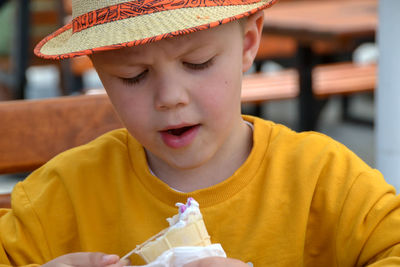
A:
x,y
369,223
40,224
22,237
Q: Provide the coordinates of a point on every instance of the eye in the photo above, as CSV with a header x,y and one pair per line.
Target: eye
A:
x,y
135,80
199,66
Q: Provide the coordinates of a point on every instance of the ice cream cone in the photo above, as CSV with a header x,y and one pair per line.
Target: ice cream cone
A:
x,y
186,229
193,234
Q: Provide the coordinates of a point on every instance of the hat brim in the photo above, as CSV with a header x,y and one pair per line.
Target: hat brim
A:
x,y
140,30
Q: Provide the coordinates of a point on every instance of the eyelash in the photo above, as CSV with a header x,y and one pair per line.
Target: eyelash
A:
x,y
137,79
200,66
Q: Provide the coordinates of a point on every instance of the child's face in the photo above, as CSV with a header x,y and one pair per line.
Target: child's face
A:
x,y
180,97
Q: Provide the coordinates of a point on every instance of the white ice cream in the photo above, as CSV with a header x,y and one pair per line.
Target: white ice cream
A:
x,y
188,213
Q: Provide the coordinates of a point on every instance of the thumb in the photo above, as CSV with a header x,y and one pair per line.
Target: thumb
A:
x,y
107,259
97,259
93,259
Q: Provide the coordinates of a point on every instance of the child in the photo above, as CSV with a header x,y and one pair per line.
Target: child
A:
x,y
173,71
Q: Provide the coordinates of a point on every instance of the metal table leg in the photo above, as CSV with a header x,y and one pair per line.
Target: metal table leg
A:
x,y
308,110
20,55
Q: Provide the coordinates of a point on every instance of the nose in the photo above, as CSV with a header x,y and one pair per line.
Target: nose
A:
x,y
171,93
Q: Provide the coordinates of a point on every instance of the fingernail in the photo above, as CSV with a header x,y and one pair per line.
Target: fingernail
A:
x,y
110,258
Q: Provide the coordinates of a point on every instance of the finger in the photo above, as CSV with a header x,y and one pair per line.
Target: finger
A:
x,y
120,263
95,259
109,259
85,259
216,261
207,262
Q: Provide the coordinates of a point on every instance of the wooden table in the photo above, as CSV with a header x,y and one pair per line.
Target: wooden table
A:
x,y
336,21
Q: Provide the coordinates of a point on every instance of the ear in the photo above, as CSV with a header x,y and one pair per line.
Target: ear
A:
x,y
252,36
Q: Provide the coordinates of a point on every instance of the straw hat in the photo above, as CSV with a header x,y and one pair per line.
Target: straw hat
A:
x,y
100,25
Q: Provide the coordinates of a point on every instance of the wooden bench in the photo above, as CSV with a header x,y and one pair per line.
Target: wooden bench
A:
x,y
5,201
339,79
34,131
329,80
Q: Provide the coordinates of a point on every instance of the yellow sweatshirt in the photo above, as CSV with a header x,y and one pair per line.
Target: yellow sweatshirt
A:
x,y
300,199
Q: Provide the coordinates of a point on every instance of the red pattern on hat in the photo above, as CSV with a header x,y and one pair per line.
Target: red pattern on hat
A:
x,y
143,7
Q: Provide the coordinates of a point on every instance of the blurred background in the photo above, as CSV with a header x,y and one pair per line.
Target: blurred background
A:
x,y
316,68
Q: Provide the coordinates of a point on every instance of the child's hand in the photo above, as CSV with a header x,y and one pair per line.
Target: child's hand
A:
x,y
216,262
89,259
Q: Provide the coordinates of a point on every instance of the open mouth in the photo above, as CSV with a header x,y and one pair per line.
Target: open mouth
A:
x,y
179,131
180,136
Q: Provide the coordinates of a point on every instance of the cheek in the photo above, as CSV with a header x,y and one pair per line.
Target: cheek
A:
x,y
131,107
221,93
137,120
134,114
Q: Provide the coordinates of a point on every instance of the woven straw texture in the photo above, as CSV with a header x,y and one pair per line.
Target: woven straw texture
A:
x,y
137,30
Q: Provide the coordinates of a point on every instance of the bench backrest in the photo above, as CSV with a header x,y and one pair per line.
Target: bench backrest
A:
x,y
34,131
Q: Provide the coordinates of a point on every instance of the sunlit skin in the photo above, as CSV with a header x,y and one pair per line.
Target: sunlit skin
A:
x,y
191,81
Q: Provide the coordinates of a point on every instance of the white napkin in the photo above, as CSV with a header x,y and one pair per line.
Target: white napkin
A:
x,y
179,256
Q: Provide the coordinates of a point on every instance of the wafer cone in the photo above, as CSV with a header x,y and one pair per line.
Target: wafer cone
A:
x,y
186,229
193,234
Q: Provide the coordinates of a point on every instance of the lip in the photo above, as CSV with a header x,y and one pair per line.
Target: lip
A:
x,y
179,141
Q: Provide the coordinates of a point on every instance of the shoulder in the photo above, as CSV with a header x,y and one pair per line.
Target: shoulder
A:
x,y
310,154
277,135
280,135
83,165
111,142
